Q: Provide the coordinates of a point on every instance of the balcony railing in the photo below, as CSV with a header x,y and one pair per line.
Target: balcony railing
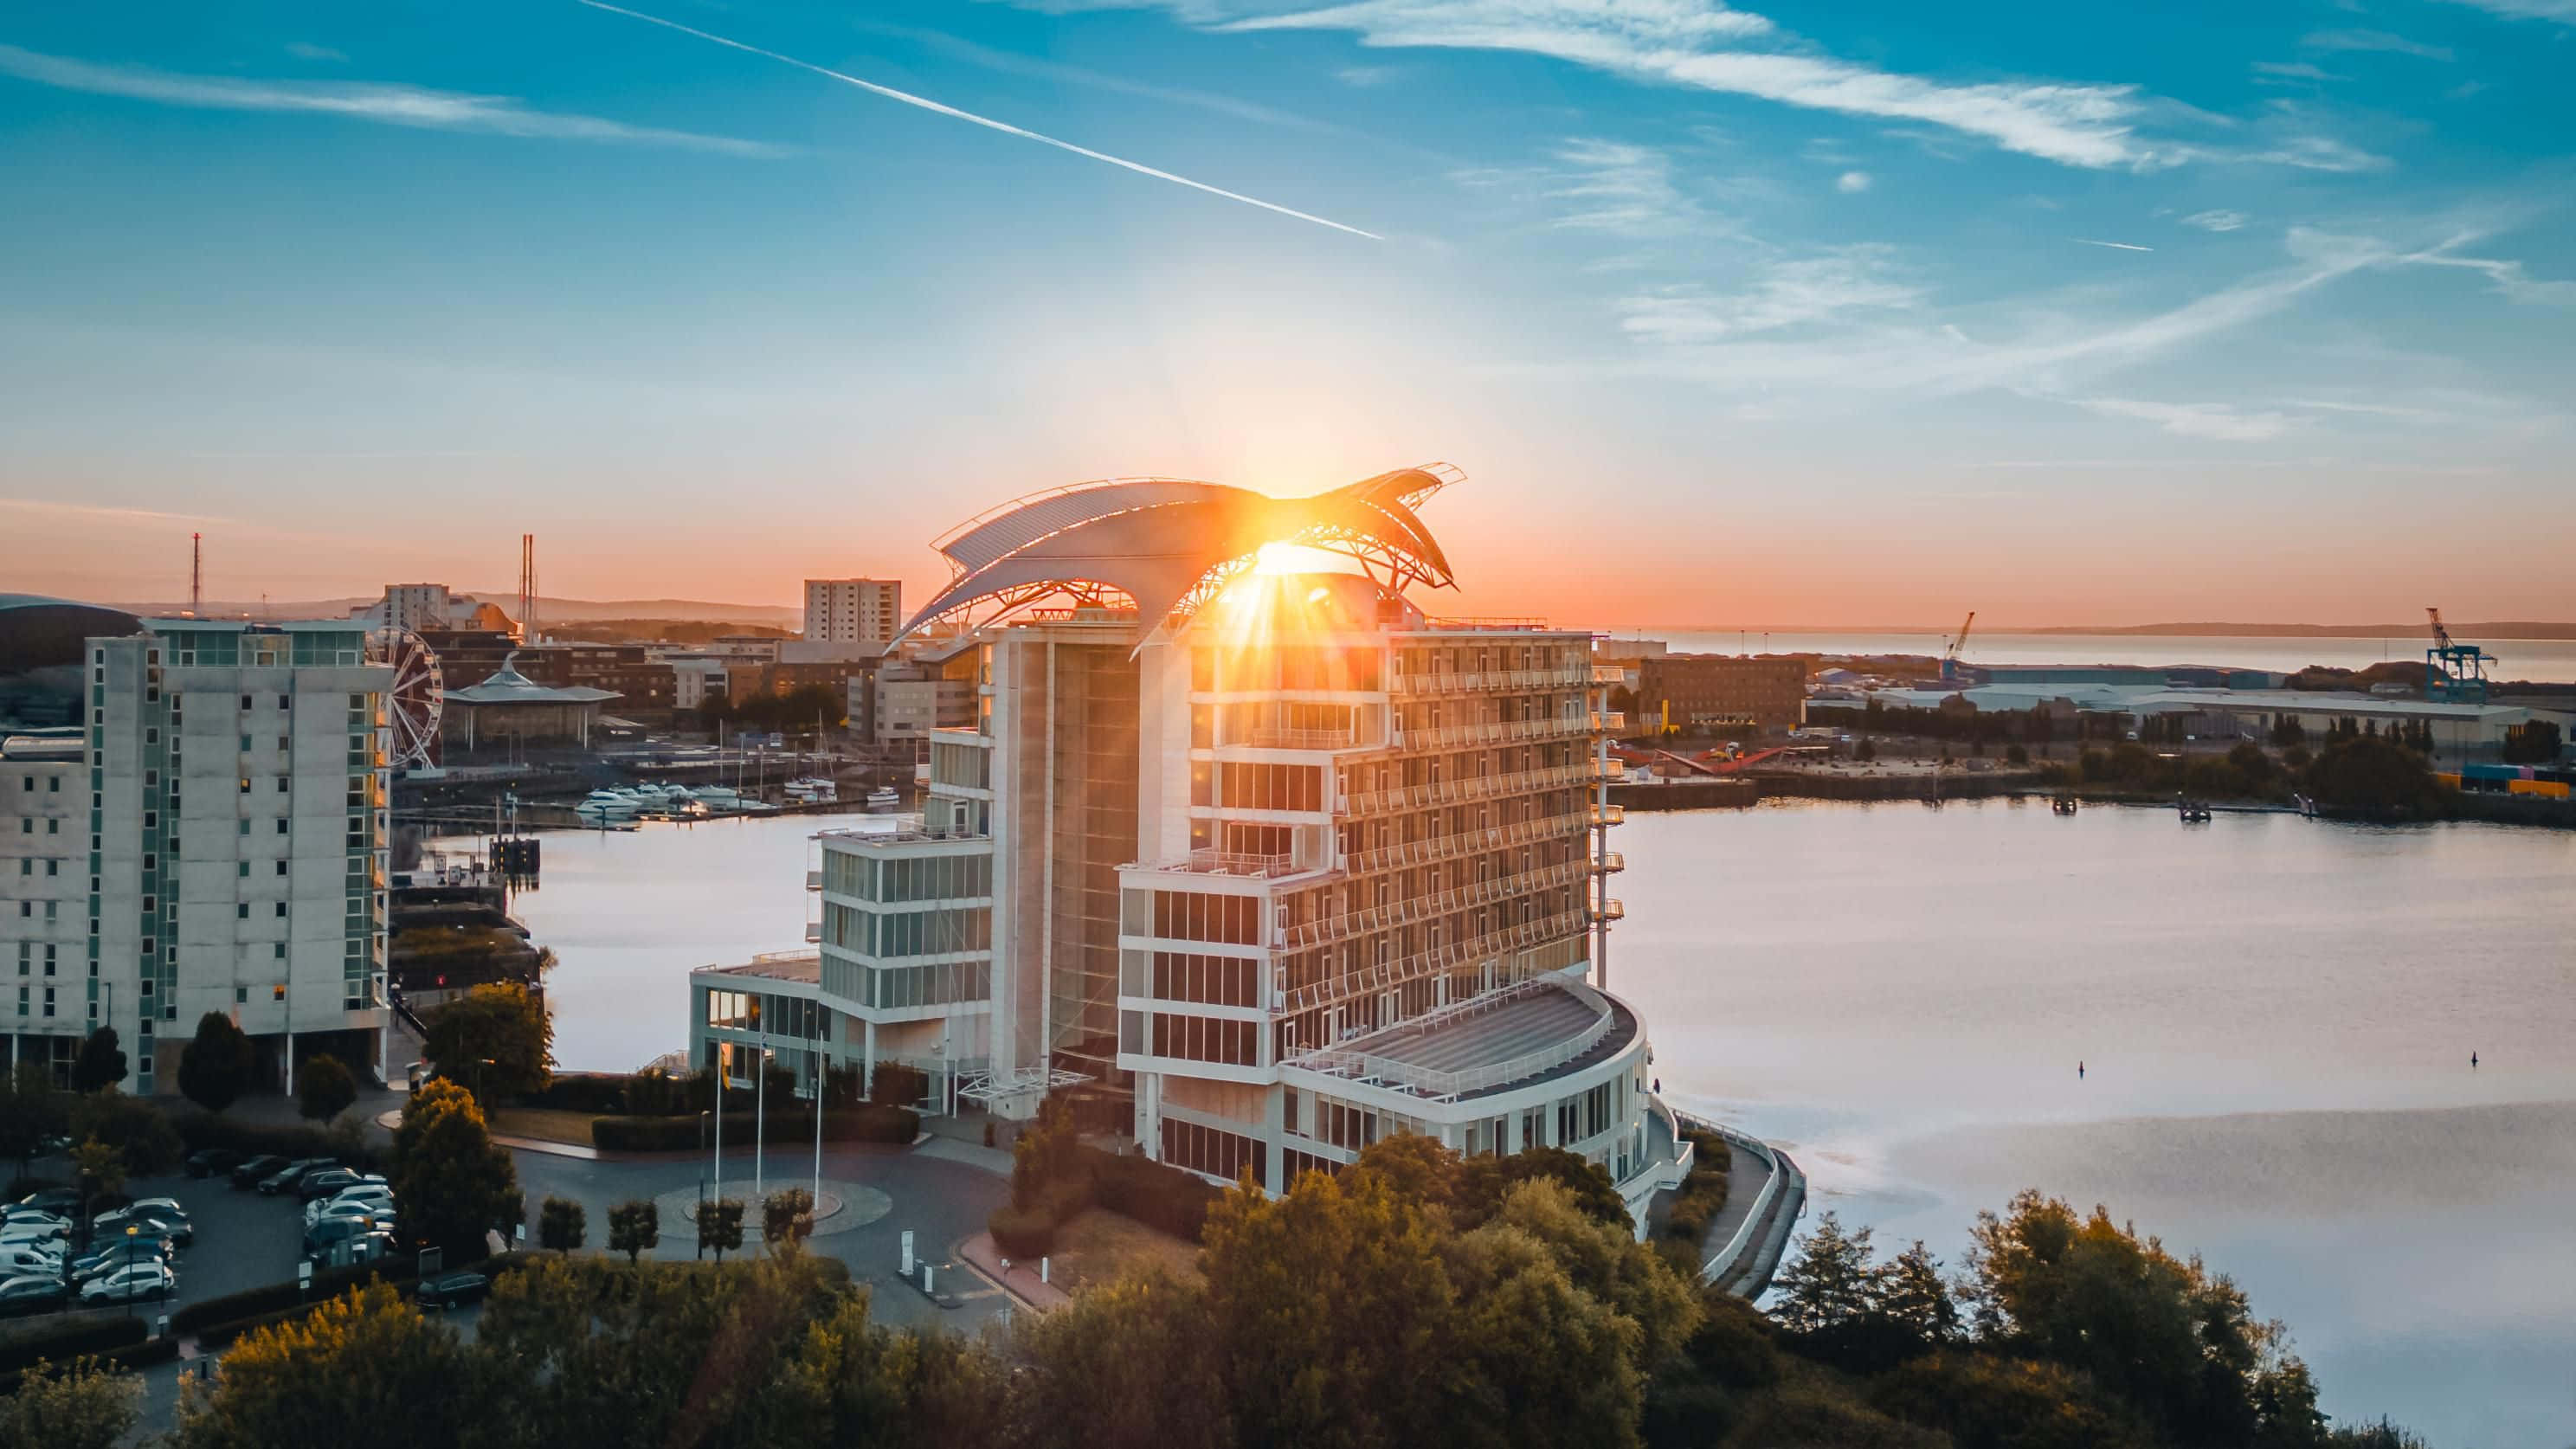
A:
x,y
1610,863
1609,674
1464,842
1429,1082
1609,815
1612,909
1387,975
1464,896
1469,681
1288,739
1458,792
1233,862
1487,732
1609,721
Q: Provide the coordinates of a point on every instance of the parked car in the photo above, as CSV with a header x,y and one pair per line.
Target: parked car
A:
x,y
17,1259
60,1201
213,1161
33,1230
382,1220
19,1212
375,1247
133,1281
374,1197
166,1211
285,1178
118,1254
145,1223
256,1171
330,1180
319,1238
449,1290
31,1293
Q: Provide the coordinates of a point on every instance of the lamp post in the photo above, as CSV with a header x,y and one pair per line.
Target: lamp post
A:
x,y
702,1186
479,1064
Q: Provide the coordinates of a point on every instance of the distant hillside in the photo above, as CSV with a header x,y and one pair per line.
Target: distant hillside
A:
x,y
658,631
549,611
2507,629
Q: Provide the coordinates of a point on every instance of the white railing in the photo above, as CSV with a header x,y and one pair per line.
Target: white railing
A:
x,y
1770,1193
1487,732
1235,862
1609,815
1429,1082
1386,975
1455,792
1466,681
1464,842
1366,919
1292,739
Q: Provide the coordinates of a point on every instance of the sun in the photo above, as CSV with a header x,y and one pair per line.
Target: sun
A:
x,y
1275,558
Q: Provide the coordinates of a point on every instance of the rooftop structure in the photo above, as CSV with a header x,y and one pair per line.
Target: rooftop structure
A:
x,y
1275,857
510,706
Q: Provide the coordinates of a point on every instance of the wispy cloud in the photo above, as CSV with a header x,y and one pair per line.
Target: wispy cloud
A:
x,y
306,50
987,122
2115,246
2509,278
2378,40
1007,63
1852,181
2219,422
2290,70
2562,11
1616,188
2217,220
1781,294
393,105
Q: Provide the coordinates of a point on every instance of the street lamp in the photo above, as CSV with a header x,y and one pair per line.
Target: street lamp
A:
x,y
479,1065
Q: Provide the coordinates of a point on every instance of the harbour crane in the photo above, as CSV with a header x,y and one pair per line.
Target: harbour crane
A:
x,y
1950,650
2454,673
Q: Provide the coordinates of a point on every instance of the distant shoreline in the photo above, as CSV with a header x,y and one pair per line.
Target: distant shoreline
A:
x,y
2518,630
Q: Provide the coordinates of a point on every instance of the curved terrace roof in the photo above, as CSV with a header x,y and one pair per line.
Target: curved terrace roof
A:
x,y
1167,545
37,632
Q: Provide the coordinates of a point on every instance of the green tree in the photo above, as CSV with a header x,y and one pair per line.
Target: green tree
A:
x,y
101,1062
31,1111
720,1226
84,1404
1866,751
1544,1362
1486,1181
325,1088
98,1171
1126,1363
495,1039
2372,775
1832,1285
1988,1401
1915,1299
2536,743
216,1066
561,1224
1607,1264
849,1381
453,1182
365,1359
786,1217
137,1128
634,1228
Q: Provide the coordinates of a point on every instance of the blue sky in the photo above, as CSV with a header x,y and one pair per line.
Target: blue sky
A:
x,y
1838,315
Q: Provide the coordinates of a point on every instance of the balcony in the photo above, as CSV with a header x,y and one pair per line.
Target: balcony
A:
x,y
1464,896
1471,681
1612,909
1609,674
1456,792
1288,739
1465,842
1235,862
1487,732
1386,976
1609,722
1604,816
1611,862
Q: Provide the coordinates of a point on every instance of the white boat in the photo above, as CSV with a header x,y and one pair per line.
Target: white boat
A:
x,y
883,799
608,805
813,790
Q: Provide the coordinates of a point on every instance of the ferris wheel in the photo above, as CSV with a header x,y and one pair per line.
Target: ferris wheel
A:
x,y
418,693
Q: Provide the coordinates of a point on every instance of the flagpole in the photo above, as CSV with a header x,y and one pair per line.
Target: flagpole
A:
x,y
724,1070
822,1075
759,1119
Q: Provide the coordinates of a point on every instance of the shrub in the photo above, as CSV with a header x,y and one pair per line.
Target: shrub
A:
x,y
64,1342
253,1139
897,1085
1153,1193
1022,1232
598,1093
1702,1194
270,1298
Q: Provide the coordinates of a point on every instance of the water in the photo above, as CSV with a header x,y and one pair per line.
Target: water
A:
x,y
2535,660
2275,1016
630,913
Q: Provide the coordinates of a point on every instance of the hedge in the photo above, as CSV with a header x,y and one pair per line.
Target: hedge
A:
x,y
1702,1194
252,1139
1153,1193
688,1134
211,1335
1022,1232
70,1341
598,1093
158,1350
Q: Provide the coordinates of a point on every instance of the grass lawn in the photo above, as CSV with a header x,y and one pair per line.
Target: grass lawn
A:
x,y
546,1124
1099,1245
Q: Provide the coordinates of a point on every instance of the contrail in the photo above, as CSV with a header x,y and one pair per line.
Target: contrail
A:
x,y
1005,127
2078,240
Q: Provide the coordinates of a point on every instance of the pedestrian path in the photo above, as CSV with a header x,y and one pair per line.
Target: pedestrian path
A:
x,y
990,1159
1020,1280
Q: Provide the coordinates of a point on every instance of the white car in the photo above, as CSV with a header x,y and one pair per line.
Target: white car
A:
x,y
377,1201
26,1258
134,1280
32,1230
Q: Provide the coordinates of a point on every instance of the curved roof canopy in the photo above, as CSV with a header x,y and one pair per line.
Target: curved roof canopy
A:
x,y
1168,545
37,632
506,685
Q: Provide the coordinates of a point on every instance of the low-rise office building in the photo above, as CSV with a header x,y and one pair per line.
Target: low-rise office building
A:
x,y
1718,693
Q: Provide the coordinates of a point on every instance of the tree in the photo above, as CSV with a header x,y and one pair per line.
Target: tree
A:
x,y
1486,1181
31,1113
720,1225
1832,1286
98,1171
138,1129
2536,743
496,1039
561,1224
325,1089
1126,1363
1914,1298
634,1228
101,1062
453,1182
2287,731
84,1404
786,1216
215,1067
2372,775
364,1359
1866,751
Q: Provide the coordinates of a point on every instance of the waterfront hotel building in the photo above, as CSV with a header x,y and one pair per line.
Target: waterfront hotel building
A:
x,y
1268,852
192,820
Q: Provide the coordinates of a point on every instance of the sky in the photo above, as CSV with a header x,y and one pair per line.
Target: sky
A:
x,y
1842,315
